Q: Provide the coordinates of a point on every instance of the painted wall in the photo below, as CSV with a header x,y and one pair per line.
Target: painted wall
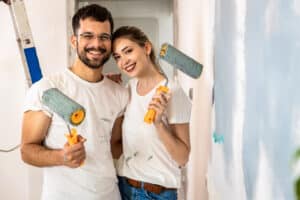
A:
x,y
257,106
194,36
18,181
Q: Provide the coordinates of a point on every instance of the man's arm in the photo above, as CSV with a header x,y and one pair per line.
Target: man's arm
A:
x,y
116,138
34,130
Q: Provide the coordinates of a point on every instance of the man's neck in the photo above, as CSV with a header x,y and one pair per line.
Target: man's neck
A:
x,y
86,73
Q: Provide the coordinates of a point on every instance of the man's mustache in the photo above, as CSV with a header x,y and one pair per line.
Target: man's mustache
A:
x,y
101,50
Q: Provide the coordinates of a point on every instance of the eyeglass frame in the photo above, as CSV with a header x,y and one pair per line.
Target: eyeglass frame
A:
x,y
104,37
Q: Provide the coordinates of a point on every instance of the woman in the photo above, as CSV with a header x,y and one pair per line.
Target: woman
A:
x,y
153,154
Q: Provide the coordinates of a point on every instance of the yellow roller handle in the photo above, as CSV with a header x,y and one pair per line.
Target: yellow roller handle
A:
x,y
72,137
150,115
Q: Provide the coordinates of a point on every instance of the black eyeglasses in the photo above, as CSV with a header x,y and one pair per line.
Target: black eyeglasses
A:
x,y
104,37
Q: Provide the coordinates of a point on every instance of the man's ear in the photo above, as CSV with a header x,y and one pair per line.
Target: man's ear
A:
x,y
148,48
74,41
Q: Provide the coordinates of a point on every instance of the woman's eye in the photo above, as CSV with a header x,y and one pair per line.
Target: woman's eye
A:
x,y
128,51
116,57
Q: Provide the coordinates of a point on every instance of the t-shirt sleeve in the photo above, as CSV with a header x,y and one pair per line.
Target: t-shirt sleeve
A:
x,y
33,99
179,108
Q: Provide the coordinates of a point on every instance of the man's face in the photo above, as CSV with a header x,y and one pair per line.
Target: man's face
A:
x,y
93,42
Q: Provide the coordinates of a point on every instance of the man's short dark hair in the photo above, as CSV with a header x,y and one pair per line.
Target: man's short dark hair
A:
x,y
94,11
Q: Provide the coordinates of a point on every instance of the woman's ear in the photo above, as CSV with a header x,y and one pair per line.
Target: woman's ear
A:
x,y
148,48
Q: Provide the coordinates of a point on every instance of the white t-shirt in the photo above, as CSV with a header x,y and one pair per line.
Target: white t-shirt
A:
x,y
145,157
104,102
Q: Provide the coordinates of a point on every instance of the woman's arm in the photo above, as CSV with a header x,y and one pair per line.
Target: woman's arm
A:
x,y
176,140
116,138
175,137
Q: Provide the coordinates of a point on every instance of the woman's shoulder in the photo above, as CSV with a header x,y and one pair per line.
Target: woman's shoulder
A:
x,y
174,85
177,92
132,82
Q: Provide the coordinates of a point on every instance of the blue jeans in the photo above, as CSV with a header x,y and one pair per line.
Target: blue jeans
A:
x,y
131,193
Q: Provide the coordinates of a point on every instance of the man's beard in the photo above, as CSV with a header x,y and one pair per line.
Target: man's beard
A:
x,y
96,63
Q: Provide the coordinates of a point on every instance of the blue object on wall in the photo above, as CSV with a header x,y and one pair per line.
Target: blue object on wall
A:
x,y
33,64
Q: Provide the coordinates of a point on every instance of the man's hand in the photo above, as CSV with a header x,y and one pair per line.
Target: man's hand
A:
x,y
74,155
115,77
6,1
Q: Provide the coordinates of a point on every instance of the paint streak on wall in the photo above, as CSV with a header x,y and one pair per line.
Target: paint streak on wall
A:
x,y
257,47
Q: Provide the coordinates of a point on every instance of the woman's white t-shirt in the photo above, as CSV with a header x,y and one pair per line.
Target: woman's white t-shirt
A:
x,y
145,157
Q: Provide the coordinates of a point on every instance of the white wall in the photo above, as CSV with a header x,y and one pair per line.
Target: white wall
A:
x,y
17,180
194,36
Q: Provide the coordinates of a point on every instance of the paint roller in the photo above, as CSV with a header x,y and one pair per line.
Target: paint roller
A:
x,y
180,61
66,108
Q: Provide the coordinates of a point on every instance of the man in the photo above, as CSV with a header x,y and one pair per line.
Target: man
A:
x,y
84,170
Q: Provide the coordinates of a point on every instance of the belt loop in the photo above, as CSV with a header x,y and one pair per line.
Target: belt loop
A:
x,y
142,185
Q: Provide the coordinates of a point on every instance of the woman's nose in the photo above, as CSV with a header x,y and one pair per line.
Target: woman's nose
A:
x,y
124,62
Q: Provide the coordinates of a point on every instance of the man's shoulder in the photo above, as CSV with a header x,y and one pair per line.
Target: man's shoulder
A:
x,y
49,81
116,91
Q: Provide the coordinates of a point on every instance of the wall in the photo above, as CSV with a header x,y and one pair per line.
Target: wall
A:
x,y
194,34
257,103
18,181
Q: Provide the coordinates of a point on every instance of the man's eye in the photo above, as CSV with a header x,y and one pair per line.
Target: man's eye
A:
x,y
104,37
88,37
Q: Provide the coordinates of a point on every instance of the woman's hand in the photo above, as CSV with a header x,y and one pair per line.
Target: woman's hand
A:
x,y
159,104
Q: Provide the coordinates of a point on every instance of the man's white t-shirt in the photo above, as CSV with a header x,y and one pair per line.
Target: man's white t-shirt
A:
x,y
103,101
145,157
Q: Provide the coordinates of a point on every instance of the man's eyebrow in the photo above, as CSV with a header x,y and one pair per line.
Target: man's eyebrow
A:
x,y
104,33
87,32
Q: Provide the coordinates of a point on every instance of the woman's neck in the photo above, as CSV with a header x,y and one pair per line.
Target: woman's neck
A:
x,y
147,82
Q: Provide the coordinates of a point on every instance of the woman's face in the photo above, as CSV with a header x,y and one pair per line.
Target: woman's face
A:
x,y
130,57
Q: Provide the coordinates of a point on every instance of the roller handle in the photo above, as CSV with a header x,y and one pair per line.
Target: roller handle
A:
x,y
72,137
150,115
